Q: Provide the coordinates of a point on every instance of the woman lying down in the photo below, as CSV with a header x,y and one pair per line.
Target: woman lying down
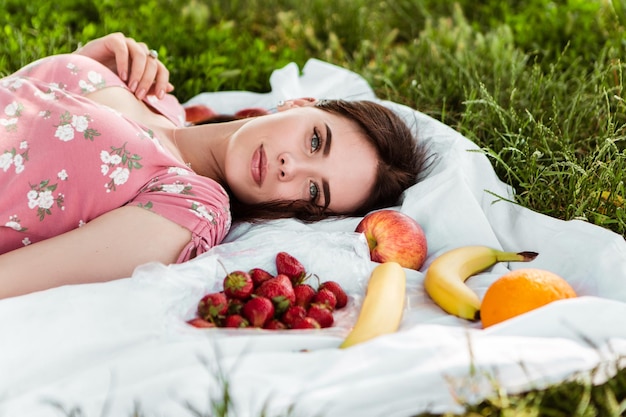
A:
x,y
99,171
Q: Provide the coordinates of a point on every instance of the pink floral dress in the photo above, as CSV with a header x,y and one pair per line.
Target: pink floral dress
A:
x,y
65,159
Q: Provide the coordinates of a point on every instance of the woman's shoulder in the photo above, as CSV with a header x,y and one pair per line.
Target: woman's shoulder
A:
x,y
71,72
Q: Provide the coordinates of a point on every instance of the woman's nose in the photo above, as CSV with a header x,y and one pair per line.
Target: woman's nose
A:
x,y
287,167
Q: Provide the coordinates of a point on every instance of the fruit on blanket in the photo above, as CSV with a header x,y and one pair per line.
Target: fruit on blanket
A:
x,y
335,288
322,313
200,323
213,307
325,297
198,113
259,275
306,323
236,321
258,311
278,289
288,265
238,284
293,314
520,291
383,304
445,278
304,294
239,304
394,236
275,324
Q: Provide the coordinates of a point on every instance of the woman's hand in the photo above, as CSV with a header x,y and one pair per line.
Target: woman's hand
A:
x,y
132,62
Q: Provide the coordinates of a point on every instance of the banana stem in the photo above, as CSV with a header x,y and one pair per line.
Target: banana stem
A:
x,y
526,256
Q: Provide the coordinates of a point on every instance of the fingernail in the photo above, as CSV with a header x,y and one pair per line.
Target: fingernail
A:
x,y
161,94
140,95
133,86
124,76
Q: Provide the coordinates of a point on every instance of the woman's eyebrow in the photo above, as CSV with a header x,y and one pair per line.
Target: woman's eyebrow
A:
x,y
329,138
326,190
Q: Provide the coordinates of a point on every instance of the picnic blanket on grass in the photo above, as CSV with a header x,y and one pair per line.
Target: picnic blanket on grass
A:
x,y
123,347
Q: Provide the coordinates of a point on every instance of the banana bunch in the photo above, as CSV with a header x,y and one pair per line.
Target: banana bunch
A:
x,y
383,304
446,276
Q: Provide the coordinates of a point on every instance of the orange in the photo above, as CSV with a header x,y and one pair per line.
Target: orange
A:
x,y
520,291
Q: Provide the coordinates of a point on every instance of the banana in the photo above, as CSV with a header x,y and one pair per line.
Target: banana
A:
x,y
383,304
445,277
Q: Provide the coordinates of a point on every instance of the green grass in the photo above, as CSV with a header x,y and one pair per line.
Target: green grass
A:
x,y
537,84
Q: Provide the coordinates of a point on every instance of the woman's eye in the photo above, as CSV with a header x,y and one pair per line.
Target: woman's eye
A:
x,y
313,191
315,141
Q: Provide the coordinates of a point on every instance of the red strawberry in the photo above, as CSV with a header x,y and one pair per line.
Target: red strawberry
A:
x,y
235,320
235,305
275,324
304,294
290,266
258,311
325,297
335,288
212,307
259,275
200,323
292,314
322,314
279,290
238,284
306,323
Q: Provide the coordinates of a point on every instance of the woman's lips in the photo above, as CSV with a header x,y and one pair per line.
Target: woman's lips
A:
x,y
258,167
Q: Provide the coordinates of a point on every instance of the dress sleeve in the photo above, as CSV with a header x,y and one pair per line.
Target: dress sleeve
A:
x,y
197,203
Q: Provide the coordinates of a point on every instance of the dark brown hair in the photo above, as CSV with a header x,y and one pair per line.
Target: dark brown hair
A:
x,y
401,160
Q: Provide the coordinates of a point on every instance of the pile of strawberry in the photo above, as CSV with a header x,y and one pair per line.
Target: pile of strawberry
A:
x,y
257,298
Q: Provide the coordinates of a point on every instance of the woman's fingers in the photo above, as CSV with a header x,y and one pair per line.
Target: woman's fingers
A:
x,y
135,63
161,83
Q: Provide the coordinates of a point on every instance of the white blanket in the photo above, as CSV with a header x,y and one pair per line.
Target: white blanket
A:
x,y
109,349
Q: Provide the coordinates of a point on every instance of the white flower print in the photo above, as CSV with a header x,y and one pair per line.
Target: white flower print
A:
x,y
94,82
41,197
13,109
13,158
15,224
122,162
18,161
178,171
86,87
177,188
120,175
64,132
9,124
81,223
94,77
201,211
62,175
80,123
49,96
26,241
45,200
6,160
12,83
72,67
74,123
44,114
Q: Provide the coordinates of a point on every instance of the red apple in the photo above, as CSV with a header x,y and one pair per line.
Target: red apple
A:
x,y
198,113
394,236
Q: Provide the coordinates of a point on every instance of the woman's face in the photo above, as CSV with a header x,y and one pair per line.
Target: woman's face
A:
x,y
303,153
